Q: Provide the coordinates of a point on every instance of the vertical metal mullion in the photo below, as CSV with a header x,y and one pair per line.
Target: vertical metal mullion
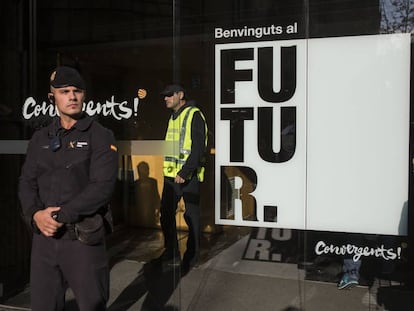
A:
x,y
32,57
176,21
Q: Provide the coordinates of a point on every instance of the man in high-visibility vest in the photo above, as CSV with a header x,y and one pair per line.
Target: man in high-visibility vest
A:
x,y
183,171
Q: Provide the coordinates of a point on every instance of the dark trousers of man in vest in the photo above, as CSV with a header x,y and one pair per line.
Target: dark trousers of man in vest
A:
x,y
171,195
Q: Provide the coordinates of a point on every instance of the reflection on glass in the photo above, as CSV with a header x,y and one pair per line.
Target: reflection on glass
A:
x,y
145,210
397,16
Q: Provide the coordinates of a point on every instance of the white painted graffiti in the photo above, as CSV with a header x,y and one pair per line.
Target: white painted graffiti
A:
x,y
358,251
117,109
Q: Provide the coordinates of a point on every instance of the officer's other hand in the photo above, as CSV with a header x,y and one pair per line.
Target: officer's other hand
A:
x,y
44,221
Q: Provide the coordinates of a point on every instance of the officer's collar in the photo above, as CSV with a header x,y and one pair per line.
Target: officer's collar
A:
x,y
82,124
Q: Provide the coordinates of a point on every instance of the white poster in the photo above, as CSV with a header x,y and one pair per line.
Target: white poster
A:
x,y
358,134
313,134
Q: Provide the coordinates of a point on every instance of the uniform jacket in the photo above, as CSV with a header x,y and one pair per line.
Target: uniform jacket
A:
x,y
79,177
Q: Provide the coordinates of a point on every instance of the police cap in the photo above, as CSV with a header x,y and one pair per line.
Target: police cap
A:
x,y
66,76
172,88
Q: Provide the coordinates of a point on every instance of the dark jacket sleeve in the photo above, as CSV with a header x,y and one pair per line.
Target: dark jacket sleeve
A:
x,y
28,187
103,172
198,149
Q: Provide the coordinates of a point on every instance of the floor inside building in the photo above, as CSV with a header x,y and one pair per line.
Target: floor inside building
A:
x,y
231,276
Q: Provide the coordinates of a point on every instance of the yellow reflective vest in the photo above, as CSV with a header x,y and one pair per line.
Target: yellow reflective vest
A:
x,y
179,131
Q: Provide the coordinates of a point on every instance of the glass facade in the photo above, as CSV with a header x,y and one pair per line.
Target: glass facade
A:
x,y
308,179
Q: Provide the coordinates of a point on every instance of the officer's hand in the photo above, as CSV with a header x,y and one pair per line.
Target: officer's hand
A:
x,y
44,221
179,179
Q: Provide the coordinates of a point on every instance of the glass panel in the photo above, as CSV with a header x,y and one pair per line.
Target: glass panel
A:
x,y
307,177
361,239
245,265
14,238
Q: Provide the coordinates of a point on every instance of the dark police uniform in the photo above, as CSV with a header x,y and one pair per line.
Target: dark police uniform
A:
x,y
76,170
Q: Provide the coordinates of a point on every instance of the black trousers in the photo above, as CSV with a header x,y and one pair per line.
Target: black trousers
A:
x,y
57,264
171,195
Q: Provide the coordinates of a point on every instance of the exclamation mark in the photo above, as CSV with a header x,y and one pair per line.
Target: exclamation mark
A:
x,y
136,103
399,252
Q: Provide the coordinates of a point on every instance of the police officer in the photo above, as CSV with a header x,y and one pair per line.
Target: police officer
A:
x,y
183,171
68,175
